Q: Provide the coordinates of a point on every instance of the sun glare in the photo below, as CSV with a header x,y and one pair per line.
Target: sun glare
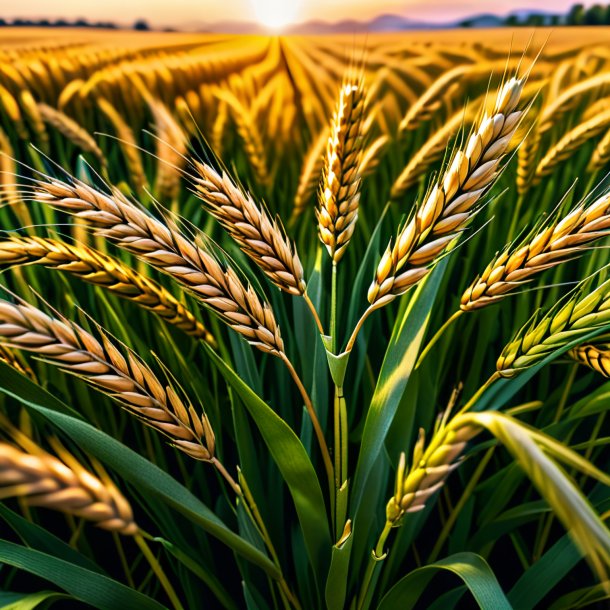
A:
x,y
276,14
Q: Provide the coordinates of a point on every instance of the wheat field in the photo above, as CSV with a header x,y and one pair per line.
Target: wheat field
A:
x,y
305,321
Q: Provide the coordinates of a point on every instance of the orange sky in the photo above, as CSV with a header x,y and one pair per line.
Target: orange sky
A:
x,y
181,12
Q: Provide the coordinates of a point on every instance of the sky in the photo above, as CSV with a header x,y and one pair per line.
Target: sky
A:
x,y
181,12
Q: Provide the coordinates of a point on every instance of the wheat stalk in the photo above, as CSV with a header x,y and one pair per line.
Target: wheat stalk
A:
x,y
71,130
569,144
449,205
129,144
168,250
339,193
126,378
431,151
106,272
261,238
581,315
557,242
64,485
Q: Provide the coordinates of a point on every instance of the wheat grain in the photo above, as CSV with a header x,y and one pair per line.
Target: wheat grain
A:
x,y
126,378
569,144
310,174
582,314
261,238
339,193
168,250
71,130
557,242
64,485
129,145
595,355
449,205
106,272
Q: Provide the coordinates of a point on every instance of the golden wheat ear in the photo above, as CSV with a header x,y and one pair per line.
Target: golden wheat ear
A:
x,y
105,271
560,240
43,480
167,249
583,313
339,193
264,240
450,204
120,373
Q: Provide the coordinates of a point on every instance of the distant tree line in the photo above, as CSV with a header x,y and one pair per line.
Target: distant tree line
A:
x,y
597,14
140,24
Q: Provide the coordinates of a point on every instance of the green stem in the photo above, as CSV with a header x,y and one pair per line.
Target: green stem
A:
x,y
479,393
314,312
341,459
333,308
328,465
439,333
515,218
377,556
158,570
352,339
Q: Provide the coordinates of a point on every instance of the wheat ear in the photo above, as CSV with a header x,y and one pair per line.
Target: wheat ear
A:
x,y
71,130
106,272
339,193
64,485
594,354
126,378
261,238
310,174
168,250
581,315
601,155
556,243
449,205
129,144
569,144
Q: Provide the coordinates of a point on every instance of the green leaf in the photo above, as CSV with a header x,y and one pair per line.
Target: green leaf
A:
x,y
26,601
400,358
336,583
470,567
39,538
90,587
134,468
295,466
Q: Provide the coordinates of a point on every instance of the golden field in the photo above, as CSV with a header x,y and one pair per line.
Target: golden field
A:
x,y
302,322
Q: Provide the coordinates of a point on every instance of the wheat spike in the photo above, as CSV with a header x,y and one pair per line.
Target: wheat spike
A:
x,y
429,470
570,143
582,314
12,359
126,378
168,250
64,485
71,130
11,107
449,205
33,114
527,157
595,355
601,155
557,242
310,174
129,145
432,150
106,272
261,238
339,194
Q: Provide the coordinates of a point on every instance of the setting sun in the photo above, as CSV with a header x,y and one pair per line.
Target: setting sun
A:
x,y
276,14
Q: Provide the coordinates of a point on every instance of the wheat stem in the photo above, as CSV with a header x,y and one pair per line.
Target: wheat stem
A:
x,y
376,557
328,465
314,312
439,333
159,573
